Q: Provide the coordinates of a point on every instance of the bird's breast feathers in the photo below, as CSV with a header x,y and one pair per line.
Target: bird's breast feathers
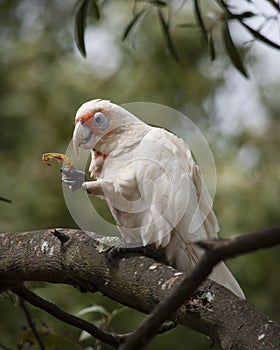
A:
x,y
154,188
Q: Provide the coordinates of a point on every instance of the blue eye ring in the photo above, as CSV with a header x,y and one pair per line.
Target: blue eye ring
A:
x,y
101,121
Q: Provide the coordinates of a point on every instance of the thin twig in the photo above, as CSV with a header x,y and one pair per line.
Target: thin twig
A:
x,y
216,251
31,324
111,339
3,199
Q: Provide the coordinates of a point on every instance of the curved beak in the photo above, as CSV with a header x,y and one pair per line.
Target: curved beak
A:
x,y
82,135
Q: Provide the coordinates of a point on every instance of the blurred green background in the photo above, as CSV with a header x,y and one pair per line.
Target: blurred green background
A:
x,y
43,80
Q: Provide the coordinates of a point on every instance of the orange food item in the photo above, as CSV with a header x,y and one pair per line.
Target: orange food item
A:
x,y
59,157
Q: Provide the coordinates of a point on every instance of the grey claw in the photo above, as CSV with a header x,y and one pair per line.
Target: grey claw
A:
x,y
72,177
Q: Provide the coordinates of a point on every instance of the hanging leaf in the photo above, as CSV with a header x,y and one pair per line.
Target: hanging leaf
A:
x,y
275,4
260,37
80,22
240,16
96,10
211,47
166,33
158,3
232,51
95,308
200,21
257,35
133,22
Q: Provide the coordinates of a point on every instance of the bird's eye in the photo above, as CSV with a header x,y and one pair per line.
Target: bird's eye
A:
x,y
101,121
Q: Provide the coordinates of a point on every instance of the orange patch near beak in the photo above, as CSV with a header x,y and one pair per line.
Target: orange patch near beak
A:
x,y
85,119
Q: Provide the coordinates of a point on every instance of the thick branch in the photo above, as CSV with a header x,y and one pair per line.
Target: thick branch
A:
x,y
135,281
216,251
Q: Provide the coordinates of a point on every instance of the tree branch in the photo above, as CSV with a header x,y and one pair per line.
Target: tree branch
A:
x,y
30,323
133,280
52,309
3,199
216,251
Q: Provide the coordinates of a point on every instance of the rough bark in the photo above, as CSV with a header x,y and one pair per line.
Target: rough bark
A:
x,y
135,281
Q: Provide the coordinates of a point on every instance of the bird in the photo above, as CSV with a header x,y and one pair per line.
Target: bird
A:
x,y
151,183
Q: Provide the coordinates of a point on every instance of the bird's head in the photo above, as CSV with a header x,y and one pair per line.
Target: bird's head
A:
x,y
96,120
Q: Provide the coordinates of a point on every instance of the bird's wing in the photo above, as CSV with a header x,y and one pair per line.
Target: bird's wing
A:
x,y
199,221
170,185
205,204
178,205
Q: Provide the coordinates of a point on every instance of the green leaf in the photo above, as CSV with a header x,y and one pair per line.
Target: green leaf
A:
x,y
132,23
158,3
239,16
95,308
260,37
96,10
55,341
211,47
80,22
257,35
232,51
166,33
200,21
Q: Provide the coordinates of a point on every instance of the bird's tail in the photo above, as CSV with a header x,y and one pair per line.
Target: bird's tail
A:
x,y
222,275
184,255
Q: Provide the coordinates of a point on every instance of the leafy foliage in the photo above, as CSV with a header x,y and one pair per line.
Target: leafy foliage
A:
x,y
164,9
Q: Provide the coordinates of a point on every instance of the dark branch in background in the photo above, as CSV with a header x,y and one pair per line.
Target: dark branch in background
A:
x,y
31,324
3,199
141,283
216,251
112,339
52,309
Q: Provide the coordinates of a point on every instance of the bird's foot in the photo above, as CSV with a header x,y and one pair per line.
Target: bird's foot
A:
x,y
72,177
148,250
